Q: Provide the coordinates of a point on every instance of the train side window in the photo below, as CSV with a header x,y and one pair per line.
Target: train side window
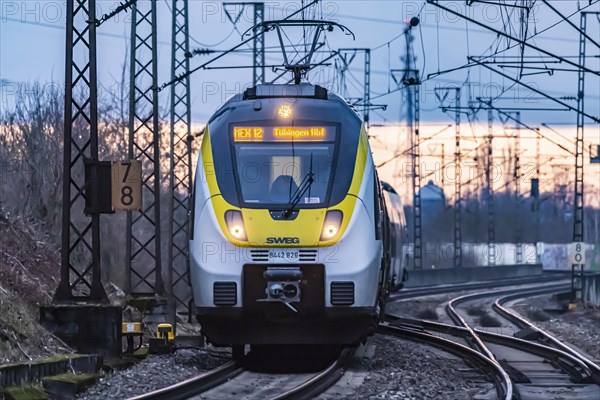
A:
x,y
376,207
192,209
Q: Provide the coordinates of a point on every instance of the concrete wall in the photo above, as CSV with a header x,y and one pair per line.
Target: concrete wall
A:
x,y
591,289
444,276
441,255
556,256
26,372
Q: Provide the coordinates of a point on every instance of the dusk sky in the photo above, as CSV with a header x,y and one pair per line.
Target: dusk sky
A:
x,y
32,46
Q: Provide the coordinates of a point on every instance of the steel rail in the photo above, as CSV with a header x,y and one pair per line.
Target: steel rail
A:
x,y
574,366
459,320
431,290
579,366
321,382
215,377
542,335
492,368
193,386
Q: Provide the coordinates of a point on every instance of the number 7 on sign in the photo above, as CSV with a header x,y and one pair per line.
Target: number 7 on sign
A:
x,y
127,185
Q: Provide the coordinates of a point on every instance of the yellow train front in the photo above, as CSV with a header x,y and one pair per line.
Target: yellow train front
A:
x,y
287,242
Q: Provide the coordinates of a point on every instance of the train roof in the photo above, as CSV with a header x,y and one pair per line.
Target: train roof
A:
x,y
285,91
302,90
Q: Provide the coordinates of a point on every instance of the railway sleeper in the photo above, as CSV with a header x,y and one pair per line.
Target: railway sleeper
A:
x,y
528,334
515,374
575,374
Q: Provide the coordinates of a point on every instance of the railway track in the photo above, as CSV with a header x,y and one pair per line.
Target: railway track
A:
x,y
441,289
537,364
533,366
233,380
526,329
538,368
535,333
492,369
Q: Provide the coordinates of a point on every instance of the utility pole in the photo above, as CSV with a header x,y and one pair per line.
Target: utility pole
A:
x,y
81,315
144,227
515,116
517,180
442,178
347,56
442,94
578,199
258,42
579,156
490,191
535,189
80,250
180,182
457,186
418,251
258,59
411,80
367,87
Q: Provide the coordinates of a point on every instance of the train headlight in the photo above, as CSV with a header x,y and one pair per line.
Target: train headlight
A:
x,y
332,224
237,231
235,224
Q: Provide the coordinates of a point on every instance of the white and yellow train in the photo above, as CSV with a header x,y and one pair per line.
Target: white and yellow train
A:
x,y
294,239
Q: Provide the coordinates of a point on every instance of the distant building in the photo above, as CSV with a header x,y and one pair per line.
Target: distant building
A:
x,y
433,199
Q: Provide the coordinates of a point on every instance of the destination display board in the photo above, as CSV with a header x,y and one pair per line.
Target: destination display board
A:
x,y
283,133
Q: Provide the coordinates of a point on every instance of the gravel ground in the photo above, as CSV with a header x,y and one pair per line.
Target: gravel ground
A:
x,y
153,373
580,327
390,368
428,307
401,369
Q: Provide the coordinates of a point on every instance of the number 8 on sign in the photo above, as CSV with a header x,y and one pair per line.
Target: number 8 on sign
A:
x,y
577,253
127,185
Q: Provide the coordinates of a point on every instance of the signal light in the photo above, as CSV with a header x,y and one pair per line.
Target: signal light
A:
x,y
285,111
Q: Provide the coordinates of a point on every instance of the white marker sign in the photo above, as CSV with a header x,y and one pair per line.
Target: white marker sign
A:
x,y
127,185
577,253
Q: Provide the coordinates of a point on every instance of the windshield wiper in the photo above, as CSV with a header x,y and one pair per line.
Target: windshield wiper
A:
x,y
305,185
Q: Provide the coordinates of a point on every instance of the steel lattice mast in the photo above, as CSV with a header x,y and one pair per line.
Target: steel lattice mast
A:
x,y
579,156
258,54
258,41
491,236
442,94
143,227
517,180
181,160
412,82
417,234
457,185
347,56
367,87
80,253
578,195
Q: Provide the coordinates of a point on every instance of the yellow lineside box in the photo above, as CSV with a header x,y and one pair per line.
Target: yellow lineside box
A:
x,y
165,331
131,327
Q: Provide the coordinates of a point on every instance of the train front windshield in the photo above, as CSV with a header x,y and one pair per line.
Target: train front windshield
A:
x,y
273,169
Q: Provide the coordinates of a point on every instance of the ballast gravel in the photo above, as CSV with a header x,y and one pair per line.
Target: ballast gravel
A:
x,y
580,327
399,369
388,368
154,372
